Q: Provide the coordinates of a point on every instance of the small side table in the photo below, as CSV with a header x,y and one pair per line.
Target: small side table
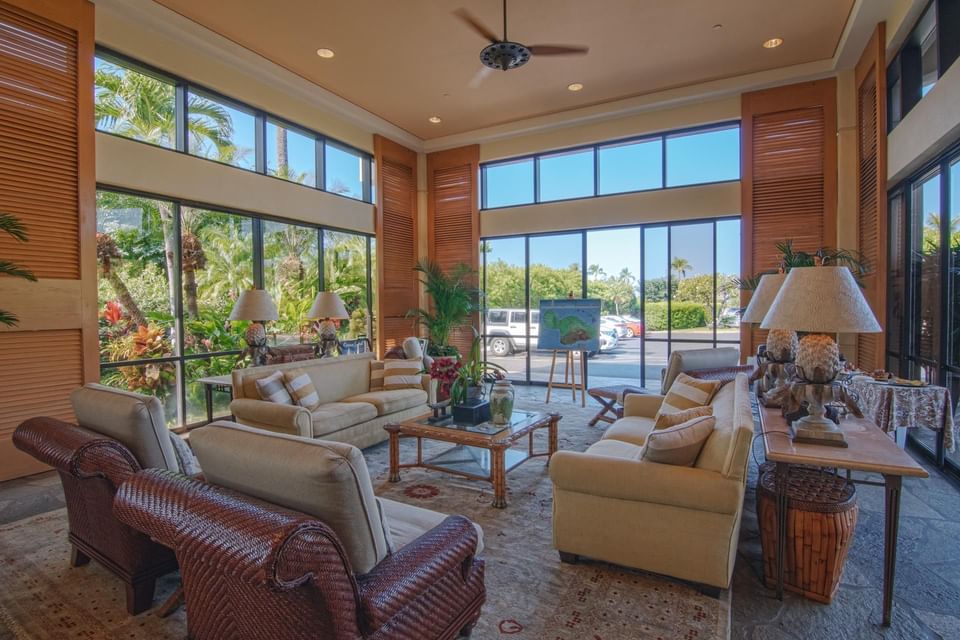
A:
x,y
611,401
215,383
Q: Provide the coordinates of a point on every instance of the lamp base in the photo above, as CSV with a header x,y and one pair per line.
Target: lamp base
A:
x,y
816,429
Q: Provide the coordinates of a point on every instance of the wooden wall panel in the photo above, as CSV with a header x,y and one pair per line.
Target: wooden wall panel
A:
x,y
453,218
47,180
871,87
396,227
789,177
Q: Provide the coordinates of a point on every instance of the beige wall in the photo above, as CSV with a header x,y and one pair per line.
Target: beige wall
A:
x,y
143,167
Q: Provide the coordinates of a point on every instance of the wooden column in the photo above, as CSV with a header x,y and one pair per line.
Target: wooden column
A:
x,y
396,228
453,218
47,180
871,86
789,177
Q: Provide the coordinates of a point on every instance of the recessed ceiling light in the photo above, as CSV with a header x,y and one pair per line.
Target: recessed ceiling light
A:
x,y
773,43
718,26
325,53
435,119
575,86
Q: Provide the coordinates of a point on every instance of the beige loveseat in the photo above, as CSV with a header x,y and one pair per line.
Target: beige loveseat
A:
x,y
610,505
349,412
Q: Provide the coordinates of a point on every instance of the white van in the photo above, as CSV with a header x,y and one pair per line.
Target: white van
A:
x,y
506,331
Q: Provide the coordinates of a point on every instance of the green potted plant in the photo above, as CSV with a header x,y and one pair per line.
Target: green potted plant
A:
x,y
17,230
453,299
473,374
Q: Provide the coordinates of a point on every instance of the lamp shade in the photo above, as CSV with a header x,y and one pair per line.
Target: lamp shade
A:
x,y
327,304
821,300
254,304
763,297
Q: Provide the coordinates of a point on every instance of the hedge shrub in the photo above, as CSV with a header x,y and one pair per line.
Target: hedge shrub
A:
x,y
686,315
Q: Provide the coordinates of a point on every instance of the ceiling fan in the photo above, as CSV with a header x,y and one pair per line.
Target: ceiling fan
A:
x,y
504,55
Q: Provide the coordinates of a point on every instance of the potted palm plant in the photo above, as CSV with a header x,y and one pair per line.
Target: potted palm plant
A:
x,y
453,298
474,373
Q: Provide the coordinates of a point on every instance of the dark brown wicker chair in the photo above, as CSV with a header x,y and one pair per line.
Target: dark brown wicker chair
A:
x,y
255,570
91,467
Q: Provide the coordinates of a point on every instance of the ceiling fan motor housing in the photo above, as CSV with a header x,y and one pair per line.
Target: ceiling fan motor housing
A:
x,y
505,55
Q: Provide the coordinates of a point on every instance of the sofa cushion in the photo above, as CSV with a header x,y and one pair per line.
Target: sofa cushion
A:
x,y
402,374
334,378
714,452
679,445
301,388
616,449
376,375
391,401
728,447
328,480
634,430
272,389
333,416
406,523
134,420
667,420
687,392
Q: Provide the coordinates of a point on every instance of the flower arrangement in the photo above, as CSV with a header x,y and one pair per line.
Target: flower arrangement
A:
x,y
444,370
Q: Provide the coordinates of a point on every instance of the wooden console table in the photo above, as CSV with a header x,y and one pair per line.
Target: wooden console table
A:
x,y
870,450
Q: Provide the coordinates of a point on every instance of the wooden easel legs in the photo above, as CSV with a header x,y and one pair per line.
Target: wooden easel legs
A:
x,y
569,376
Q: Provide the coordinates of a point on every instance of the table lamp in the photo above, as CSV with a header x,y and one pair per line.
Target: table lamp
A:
x,y
781,344
819,300
327,307
257,306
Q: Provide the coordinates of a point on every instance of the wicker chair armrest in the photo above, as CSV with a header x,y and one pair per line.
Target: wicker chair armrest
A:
x,y
411,572
71,449
155,502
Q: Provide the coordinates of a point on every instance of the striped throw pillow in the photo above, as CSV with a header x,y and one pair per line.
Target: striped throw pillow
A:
x,y
667,420
271,389
376,375
402,374
301,387
687,392
679,445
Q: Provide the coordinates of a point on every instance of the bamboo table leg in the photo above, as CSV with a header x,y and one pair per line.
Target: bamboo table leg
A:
x,y
892,485
498,475
552,436
782,471
394,454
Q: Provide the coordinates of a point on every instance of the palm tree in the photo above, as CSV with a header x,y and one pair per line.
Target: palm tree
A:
x,y
681,266
139,106
108,255
16,229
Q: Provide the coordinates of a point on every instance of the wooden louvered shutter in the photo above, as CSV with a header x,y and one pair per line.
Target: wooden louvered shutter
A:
x,y
454,218
396,227
47,181
871,82
789,177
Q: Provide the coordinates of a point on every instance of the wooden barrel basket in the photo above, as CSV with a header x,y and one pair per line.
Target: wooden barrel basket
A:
x,y
821,516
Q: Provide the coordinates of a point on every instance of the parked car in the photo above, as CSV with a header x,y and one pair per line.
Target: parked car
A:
x,y
612,323
507,330
608,341
729,318
634,326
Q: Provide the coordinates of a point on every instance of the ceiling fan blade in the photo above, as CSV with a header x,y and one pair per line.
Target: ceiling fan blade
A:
x,y
476,25
557,50
478,78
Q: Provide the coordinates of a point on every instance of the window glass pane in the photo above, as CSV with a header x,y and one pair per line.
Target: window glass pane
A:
x,y
217,264
344,171
555,272
704,156
631,166
954,268
613,271
154,379
290,275
133,104
566,175
196,393
655,261
136,315
220,131
505,282
926,265
291,155
508,183
345,273
691,266
728,271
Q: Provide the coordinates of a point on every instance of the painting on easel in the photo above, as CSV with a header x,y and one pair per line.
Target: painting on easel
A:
x,y
569,325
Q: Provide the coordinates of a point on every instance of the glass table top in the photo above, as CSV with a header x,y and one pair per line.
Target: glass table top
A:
x,y
519,418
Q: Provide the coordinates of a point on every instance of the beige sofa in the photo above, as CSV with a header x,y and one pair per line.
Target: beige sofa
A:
x,y
683,360
610,505
349,412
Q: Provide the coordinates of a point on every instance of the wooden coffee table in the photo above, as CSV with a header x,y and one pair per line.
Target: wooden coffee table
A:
x,y
481,452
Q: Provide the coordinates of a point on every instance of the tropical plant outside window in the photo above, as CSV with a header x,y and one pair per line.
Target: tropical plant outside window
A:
x,y
290,273
345,273
220,131
291,155
134,105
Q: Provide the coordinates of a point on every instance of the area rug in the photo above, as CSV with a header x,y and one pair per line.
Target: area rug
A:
x,y
530,594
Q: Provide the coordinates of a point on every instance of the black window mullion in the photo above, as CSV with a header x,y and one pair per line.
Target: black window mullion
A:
x,y
321,161
181,118
260,142
643,310
526,299
258,253
366,177
669,287
369,326
323,248
536,180
663,162
180,319
716,316
596,170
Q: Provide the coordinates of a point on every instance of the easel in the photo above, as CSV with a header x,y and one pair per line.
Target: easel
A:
x,y
569,376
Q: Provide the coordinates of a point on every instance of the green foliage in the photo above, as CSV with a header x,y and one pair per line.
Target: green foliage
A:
x,y
18,231
505,285
699,290
790,258
686,315
453,299
618,294
473,371
345,271
211,332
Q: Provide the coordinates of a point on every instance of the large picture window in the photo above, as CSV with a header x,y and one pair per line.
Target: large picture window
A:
x,y
169,275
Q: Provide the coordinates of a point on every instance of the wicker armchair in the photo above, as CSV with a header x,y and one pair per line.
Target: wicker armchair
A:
x,y
256,570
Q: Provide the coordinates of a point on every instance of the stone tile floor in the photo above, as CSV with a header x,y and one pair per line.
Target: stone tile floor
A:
x,y
927,602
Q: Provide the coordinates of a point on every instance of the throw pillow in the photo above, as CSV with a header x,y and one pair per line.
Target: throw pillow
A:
x,y
301,387
402,374
271,389
687,392
679,445
667,420
189,465
376,375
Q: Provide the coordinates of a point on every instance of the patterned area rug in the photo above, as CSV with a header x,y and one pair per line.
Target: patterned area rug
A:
x,y
530,594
